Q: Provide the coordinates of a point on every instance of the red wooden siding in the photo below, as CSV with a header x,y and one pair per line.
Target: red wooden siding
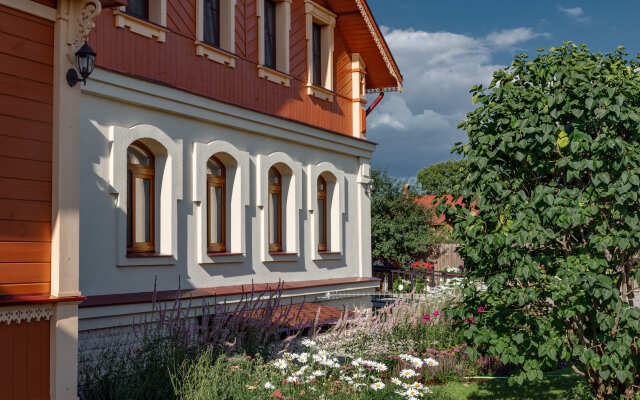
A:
x,y
24,370
174,63
50,3
26,91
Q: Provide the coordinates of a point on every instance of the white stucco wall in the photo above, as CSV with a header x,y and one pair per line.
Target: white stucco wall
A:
x,y
111,102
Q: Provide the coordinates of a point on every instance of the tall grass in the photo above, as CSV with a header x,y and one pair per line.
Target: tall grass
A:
x,y
140,363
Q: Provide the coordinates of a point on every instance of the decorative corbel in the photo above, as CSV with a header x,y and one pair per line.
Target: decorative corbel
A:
x,y
82,14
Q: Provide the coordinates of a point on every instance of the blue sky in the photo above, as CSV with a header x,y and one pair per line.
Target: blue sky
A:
x,y
445,47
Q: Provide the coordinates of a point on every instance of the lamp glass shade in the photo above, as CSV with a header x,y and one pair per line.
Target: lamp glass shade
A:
x,y
85,60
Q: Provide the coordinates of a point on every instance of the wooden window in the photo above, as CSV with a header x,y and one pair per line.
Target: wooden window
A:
x,y
317,55
216,206
275,210
270,34
322,214
140,195
211,22
138,8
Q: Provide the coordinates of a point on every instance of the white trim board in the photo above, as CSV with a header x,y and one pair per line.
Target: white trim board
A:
x,y
31,7
111,85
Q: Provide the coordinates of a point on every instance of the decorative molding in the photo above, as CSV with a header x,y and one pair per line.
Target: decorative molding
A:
x,y
237,164
274,76
214,54
86,15
334,179
30,7
26,313
381,49
140,27
319,92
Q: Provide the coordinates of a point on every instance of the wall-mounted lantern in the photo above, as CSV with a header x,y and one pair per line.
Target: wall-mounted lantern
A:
x,y
85,62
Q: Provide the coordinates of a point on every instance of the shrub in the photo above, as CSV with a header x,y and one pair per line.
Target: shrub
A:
x,y
554,160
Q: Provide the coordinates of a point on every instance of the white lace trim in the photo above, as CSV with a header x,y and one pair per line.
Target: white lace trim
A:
x,y
28,313
381,49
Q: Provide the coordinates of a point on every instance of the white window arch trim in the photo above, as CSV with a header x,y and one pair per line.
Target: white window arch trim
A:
x,y
335,249
168,191
292,200
237,193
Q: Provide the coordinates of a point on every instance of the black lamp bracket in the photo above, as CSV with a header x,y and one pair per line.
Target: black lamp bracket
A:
x,y
73,78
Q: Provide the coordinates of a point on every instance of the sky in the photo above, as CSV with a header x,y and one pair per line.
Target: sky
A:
x,y
443,48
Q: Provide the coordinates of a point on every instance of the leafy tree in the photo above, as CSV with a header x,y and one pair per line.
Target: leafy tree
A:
x,y
442,178
400,228
554,159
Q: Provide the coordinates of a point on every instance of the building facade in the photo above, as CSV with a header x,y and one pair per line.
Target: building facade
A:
x,y
216,144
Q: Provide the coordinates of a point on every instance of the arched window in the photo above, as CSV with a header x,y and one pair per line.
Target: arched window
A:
x,y
275,210
322,214
140,195
216,206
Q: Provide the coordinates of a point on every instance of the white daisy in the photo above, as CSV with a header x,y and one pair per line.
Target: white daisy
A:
x,y
280,364
411,392
396,381
269,386
292,379
416,385
416,362
380,367
431,362
303,358
407,373
308,342
377,386
319,373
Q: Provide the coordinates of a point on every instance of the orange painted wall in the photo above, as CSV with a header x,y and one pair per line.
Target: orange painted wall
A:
x,y
26,91
24,351
175,64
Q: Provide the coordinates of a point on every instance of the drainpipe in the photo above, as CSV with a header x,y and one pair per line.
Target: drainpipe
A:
x,y
375,103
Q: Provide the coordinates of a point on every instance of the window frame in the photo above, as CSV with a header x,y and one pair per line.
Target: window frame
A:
x,y
223,52
144,16
154,26
270,34
144,172
217,181
335,210
319,16
322,203
280,72
217,24
275,188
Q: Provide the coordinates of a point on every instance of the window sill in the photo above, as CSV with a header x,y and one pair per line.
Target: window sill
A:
x,y
223,258
274,76
328,256
282,256
140,26
320,92
215,54
147,259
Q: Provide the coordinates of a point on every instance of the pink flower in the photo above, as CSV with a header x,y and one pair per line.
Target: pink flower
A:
x,y
436,313
480,309
426,317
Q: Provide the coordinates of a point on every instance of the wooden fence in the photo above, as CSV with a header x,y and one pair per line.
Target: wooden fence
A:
x,y
447,256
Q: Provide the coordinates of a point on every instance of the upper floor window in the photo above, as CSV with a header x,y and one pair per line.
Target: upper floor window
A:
x,y
317,55
215,30
216,206
138,8
274,22
144,17
140,195
320,23
322,214
211,22
270,34
275,210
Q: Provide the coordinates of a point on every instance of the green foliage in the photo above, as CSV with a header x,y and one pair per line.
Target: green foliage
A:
x,y
554,161
443,178
400,228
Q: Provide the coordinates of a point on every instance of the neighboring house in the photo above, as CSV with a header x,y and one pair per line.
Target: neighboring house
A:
x,y
447,255
216,143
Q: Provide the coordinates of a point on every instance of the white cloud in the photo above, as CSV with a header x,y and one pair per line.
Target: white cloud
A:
x,y
509,37
419,126
572,12
576,12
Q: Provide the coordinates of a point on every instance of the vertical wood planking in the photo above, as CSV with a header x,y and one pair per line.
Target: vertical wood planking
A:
x,y
174,63
24,351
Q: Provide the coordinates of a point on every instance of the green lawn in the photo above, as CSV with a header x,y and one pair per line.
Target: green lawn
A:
x,y
552,387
